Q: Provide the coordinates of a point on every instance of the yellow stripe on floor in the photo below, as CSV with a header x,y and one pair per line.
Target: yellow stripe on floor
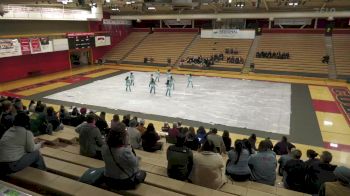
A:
x,y
102,73
321,93
42,88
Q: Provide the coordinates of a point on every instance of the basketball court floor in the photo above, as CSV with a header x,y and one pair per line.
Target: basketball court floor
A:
x,y
312,112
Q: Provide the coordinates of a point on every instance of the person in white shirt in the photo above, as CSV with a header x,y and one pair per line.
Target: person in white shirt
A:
x,y
18,149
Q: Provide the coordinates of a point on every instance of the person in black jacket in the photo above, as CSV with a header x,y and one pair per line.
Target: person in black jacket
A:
x,y
319,173
180,159
294,172
150,139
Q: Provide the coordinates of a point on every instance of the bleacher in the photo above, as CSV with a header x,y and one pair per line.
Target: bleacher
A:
x,y
65,166
122,48
341,46
208,46
160,46
306,52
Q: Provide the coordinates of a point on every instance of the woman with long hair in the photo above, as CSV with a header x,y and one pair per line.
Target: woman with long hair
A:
x,y
237,166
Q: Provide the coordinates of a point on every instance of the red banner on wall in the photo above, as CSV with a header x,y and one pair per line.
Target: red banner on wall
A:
x,y
35,45
25,45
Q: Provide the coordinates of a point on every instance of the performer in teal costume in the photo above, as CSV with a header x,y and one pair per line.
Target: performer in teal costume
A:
x,y
168,88
172,82
152,84
157,75
127,83
189,81
132,78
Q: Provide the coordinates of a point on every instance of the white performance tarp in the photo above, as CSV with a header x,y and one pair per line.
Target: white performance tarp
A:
x,y
256,105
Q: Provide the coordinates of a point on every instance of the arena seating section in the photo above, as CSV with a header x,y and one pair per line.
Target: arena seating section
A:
x,y
208,47
341,45
125,46
161,46
306,51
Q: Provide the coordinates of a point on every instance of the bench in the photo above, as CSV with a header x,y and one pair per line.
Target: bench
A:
x,y
75,171
56,184
4,186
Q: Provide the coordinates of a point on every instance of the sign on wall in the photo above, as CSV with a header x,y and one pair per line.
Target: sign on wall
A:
x,y
228,33
177,22
40,45
116,22
81,40
25,46
60,44
102,41
10,47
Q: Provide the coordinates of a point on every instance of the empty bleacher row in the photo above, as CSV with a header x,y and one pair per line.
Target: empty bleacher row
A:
x,y
160,46
208,46
341,46
118,52
306,51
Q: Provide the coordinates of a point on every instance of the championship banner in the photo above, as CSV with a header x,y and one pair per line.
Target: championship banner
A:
x,y
228,33
102,41
25,46
41,45
35,45
10,47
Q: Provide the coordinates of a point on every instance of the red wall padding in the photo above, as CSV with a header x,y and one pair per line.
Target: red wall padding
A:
x,y
13,68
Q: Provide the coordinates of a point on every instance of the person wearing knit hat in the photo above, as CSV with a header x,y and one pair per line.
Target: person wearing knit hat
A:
x,y
340,187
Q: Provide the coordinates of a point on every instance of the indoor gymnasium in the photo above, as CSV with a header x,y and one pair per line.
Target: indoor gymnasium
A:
x,y
175,97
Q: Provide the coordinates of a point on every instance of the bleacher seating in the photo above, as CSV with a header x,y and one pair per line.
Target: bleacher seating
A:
x,y
341,45
306,52
66,161
208,46
161,46
125,46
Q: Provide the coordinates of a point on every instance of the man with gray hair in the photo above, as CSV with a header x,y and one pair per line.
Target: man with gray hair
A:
x,y
134,135
294,172
319,173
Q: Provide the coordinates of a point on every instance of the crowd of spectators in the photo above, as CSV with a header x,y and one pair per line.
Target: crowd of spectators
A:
x,y
272,55
194,156
231,51
235,60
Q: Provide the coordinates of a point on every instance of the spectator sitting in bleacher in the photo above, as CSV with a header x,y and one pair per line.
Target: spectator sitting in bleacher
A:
x,y
311,154
284,159
150,139
180,159
227,140
263,164
208,167
252,141
121,164
7,118
191,140
201,134
340,187
294,172
231,51
325,59
18,149
217,140
90,138
64,116
166,127
320,173
173,133
38,122
126,119
248,146
115,121
141,126
31,106
237,166
281,147
101,123
52,118
134,135
274,55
